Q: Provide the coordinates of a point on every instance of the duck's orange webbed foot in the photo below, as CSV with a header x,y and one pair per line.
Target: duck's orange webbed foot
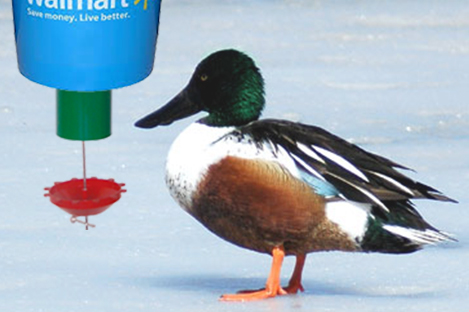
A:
x,y
272,287
251,295
295,281
293,288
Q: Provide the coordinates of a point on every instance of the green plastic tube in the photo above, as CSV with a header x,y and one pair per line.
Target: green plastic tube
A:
x,y
83,116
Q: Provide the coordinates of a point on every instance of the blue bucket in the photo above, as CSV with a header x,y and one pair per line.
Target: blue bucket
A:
x,y
86,45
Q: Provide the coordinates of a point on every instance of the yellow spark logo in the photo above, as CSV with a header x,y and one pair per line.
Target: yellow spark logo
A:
x,y
145,3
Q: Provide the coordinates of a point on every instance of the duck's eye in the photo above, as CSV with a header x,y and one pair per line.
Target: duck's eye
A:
x,y
203,77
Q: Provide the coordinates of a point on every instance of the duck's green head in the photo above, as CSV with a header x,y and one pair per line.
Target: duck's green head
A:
x,y
227,84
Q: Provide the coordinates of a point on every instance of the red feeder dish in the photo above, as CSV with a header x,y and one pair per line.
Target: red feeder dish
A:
x,y
81,197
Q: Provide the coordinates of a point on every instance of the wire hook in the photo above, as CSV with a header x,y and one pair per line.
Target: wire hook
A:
x,y
74,219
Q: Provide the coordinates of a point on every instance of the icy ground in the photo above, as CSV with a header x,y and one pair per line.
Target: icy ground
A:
x,y
392,76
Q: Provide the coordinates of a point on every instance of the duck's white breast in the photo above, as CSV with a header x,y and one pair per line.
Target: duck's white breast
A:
x,y
189,157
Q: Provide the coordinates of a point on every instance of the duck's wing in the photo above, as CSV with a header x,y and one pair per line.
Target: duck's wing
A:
x,y
335,167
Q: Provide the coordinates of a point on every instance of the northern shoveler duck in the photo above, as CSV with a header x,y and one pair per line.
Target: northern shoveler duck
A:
x,y
280,187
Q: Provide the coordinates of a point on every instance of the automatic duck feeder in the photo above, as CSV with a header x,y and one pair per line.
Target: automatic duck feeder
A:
x,y
84,49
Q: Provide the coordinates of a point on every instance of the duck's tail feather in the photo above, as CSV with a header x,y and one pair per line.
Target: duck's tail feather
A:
x,y
403,230
422,237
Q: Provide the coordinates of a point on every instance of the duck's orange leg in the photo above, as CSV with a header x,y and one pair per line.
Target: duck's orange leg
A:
x,y
272,287
295,281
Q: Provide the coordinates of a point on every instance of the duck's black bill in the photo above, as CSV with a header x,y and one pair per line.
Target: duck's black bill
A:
x,y
178,108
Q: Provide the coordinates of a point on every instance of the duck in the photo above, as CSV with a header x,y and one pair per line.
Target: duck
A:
x,y
279,187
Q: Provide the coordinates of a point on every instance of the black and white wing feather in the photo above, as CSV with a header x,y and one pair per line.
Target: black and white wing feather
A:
x,y
358,175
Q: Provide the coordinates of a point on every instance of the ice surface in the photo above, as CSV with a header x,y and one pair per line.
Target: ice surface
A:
x,y
392,76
